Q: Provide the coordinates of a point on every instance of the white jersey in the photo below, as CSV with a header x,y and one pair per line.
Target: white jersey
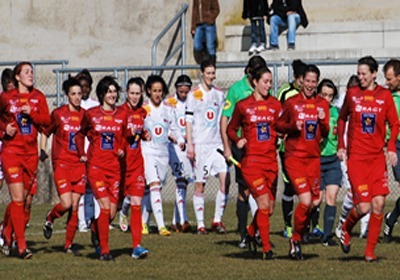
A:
x,y
89,103
203,110
161,123
179,108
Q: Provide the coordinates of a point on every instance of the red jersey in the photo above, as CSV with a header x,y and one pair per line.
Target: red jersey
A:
x,y
368,112
258,120
25,139
133,151
105,131
304,142
64,124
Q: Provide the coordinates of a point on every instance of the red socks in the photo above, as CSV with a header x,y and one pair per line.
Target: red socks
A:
x,y
57,212
103,223
374,228
136,225
18,223
301,217
72,224
262,220
351,220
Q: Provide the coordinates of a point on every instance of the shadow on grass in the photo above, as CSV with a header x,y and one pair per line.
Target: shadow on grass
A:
x,y
251,255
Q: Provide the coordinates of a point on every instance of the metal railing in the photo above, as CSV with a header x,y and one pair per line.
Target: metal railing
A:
x,y
172,51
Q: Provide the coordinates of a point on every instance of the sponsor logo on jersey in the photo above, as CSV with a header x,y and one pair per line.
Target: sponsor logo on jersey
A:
x,y
99,127
310,106
258,182
362,188
311,129
75,119
182,122
108,118
379,101
68,127
367,109
368,98
71,141
119,121
300,180
227,105
263,132
198,94
12,170
368,123
262,108
23,100
147,108
24,123
210,115
172,101
158,130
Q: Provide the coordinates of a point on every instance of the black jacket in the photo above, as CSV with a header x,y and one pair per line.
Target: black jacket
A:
x,y
281,7
255,9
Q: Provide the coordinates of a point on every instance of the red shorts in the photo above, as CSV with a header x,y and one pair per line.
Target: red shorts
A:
x,y
20,169
69,178
368,177
104,183
260,177
134,183
304,174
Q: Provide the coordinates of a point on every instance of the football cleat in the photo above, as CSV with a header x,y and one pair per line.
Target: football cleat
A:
x,y
186,227
123,222
71,250
26,254
202,231
269,255
387,229
338,229
295,250
329,242
164,232
106,257
371,258
218,227
145,229
47,229
317,232
242,243
345,241
288,232
140,253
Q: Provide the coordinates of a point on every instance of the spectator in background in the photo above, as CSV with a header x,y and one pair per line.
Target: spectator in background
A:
x,y
204,14
256,11
7,79
286,14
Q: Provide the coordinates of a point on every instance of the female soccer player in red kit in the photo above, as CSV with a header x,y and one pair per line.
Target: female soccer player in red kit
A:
x,y
304,121
257,116
368,108
105,127
69,171
133,166
23,110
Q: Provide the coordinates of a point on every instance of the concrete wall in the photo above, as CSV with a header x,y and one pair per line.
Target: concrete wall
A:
x,y
120,32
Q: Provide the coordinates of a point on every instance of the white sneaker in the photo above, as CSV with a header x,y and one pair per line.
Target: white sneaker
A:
x,y
123,222
261,48
338,230
253,48
82,227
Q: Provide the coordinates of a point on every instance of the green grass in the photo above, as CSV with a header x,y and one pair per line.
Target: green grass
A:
x,y
189,256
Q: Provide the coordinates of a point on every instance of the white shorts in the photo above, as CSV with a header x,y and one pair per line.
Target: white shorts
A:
x,y
181,166
345,177
155,168
208,162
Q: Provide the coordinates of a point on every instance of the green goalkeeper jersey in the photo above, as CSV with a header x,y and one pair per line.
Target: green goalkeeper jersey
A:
x,y
330,144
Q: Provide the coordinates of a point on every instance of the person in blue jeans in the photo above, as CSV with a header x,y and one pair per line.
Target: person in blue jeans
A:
x,y
204,30
256,11
286,14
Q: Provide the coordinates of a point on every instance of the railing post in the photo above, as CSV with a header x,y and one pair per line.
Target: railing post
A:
x,y
183,32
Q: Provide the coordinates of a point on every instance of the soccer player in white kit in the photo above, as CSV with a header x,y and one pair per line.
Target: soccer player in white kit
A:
x,y
161,123
181,167
203,113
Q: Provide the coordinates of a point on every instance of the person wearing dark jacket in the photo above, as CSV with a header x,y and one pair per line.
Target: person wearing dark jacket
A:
x,y
286,14
256,11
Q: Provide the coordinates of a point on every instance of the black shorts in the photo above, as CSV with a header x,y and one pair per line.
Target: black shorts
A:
x,y
331,172
238,155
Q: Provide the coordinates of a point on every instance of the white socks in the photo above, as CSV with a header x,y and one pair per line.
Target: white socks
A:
x,y
220,203
156,205
198,204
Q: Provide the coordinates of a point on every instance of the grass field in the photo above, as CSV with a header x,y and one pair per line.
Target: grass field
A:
x,y
190,256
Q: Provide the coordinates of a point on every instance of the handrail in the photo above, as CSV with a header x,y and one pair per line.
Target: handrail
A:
x,y
180,16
